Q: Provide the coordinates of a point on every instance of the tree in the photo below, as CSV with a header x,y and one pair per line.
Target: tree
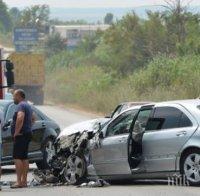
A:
x,y
176,17
182,27
191,44
54,44
89,42
156,34
35,16
5,19
108,19
15,15
123,46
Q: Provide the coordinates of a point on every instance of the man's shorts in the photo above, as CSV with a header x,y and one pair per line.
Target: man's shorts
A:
x,y
21,145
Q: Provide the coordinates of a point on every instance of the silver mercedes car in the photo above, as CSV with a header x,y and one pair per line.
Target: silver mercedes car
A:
x,y
170,143
157,140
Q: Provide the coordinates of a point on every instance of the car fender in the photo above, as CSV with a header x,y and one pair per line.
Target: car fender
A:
x,y
193,142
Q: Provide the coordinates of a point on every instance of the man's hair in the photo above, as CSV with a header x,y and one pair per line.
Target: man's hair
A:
x,y
21,92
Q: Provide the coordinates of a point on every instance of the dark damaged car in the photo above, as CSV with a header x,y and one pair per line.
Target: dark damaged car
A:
x,y
45,131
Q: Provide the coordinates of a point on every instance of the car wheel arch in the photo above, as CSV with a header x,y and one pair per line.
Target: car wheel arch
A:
x,y
182,156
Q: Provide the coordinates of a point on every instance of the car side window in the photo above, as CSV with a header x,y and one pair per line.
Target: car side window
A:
x,y
121,125
185,121
141,121
168,118
10,112
12,109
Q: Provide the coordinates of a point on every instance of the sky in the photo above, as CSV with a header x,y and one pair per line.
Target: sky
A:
x,y
89,3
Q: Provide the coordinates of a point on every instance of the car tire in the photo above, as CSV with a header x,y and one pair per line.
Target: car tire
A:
x,y
75,171
48,151
190,167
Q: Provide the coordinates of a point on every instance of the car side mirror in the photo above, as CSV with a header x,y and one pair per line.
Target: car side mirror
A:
x,y
7,124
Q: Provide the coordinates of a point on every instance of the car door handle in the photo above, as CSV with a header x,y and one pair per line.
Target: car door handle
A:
x,y
181,133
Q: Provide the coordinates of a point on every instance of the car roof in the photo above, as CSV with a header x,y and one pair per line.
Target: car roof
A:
x,y
187,103
192,102
182,102
135,103
133,107
129,109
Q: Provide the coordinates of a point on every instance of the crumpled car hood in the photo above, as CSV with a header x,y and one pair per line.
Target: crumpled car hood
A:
x,y
88,125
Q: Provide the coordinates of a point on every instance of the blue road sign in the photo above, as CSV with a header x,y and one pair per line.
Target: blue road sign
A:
x,y
25,36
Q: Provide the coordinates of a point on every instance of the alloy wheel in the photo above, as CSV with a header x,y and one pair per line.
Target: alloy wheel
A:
x,y
74,170
192,168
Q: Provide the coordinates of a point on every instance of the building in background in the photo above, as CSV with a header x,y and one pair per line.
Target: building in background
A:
x,y
74,33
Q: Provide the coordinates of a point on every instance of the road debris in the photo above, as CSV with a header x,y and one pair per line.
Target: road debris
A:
x,y
44,177
94,184
69,164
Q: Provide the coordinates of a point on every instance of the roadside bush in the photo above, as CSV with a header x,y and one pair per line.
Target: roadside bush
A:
x,y
60,60
54,44
174,77
92,88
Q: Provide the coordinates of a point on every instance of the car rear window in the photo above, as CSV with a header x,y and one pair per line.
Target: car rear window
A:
x,y
168,118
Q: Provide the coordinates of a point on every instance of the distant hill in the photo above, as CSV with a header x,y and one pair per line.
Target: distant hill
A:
x,y
97,14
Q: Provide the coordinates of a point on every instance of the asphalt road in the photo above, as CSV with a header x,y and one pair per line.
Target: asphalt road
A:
x,y
66,117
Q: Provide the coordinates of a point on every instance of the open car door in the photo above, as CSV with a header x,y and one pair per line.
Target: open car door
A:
x,y
111,157
135,153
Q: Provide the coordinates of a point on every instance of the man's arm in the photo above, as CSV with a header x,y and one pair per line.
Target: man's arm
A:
x,y
19,122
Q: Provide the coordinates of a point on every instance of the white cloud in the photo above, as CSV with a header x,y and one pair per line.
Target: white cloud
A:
x,y
89,3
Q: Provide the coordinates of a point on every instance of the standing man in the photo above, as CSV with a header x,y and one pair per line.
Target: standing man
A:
x,y
21,131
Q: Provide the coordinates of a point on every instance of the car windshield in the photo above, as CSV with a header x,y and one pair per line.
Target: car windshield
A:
x,y
116,111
